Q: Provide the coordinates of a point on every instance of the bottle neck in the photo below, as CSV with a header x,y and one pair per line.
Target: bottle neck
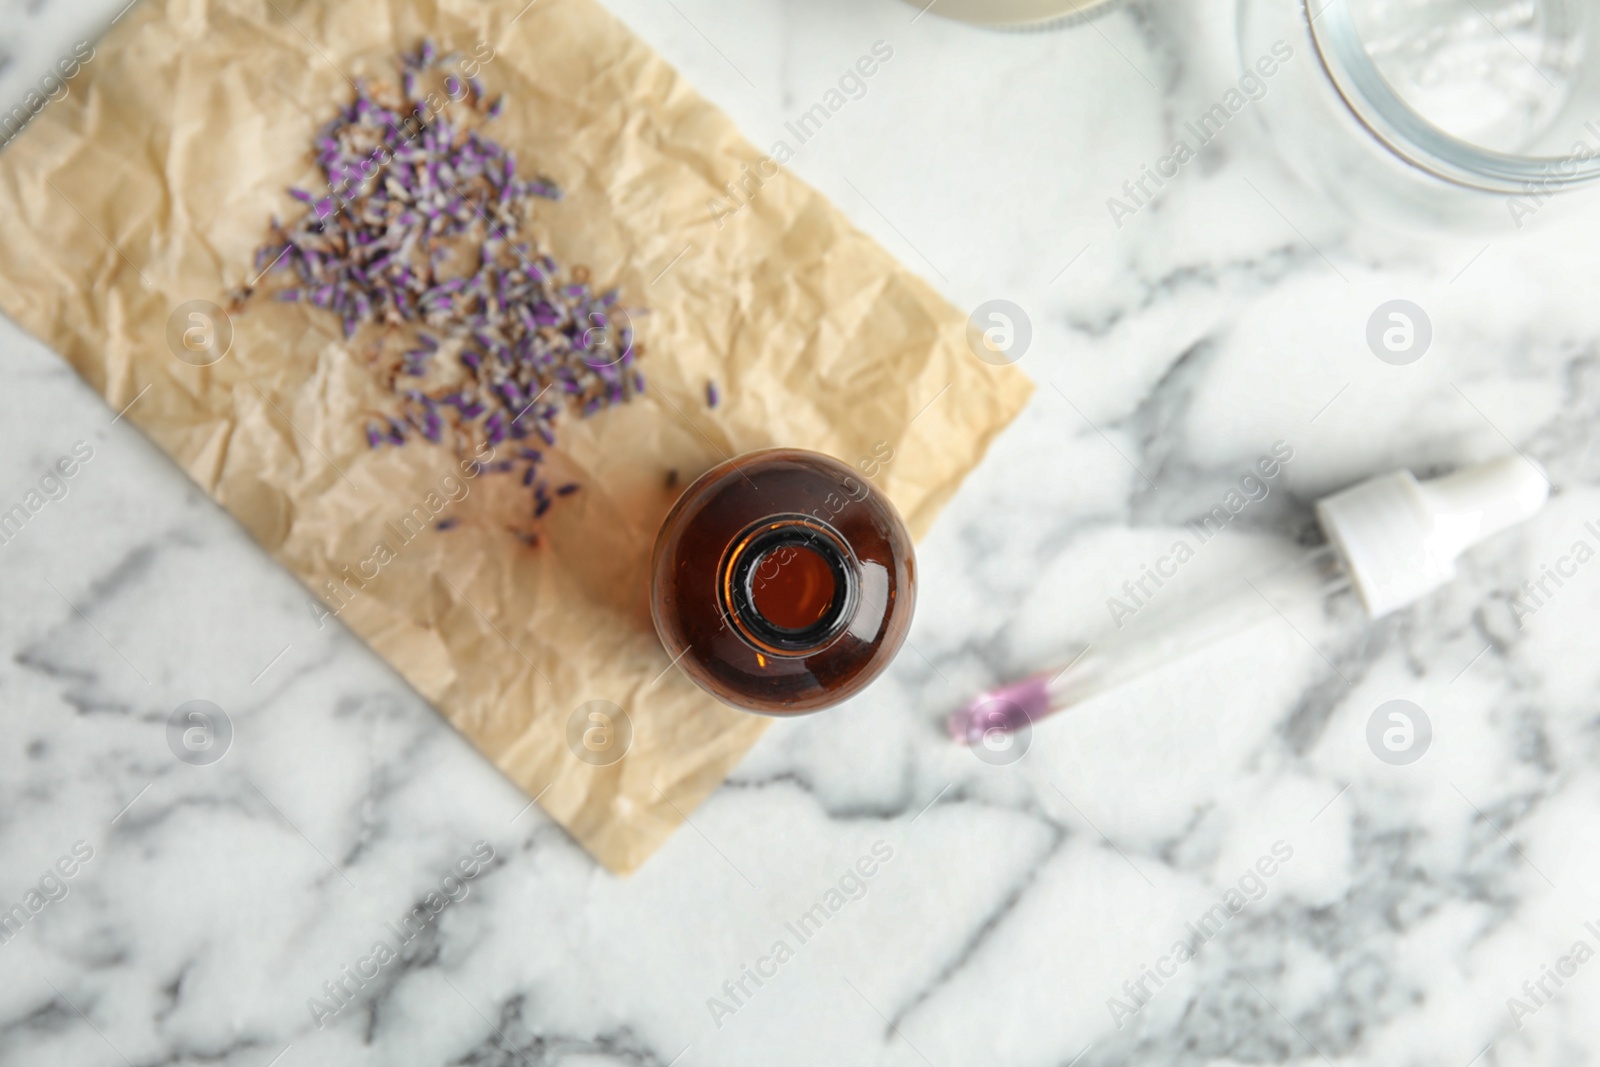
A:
x,y
789,585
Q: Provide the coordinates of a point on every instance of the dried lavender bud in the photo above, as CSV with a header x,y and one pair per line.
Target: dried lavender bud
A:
x,y
418,234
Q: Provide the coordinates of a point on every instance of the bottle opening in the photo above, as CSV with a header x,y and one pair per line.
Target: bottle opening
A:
x,y
790,585
793,587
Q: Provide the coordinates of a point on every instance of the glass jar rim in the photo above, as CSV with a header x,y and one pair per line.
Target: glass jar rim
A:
x,y
1376,105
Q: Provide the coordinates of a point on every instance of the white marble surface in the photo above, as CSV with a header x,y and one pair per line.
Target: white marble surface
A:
x,y
1018,899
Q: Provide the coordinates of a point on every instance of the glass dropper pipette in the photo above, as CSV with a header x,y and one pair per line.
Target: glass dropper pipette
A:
x,y
1390,539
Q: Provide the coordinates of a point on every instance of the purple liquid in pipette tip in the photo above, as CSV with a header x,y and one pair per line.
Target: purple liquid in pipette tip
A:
x,y
1006,709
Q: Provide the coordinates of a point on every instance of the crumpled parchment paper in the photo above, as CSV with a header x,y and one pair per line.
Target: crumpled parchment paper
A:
x,y
150,186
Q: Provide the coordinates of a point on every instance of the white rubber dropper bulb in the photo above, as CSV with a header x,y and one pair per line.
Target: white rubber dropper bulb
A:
x,y
1400,537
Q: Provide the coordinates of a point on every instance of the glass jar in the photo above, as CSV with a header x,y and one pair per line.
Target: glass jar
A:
x,y
1461,112
782,582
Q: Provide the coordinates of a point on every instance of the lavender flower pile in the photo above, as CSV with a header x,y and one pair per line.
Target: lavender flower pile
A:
x,y
481,339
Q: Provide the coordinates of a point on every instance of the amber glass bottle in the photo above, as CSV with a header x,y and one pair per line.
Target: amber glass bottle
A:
x,y
783,581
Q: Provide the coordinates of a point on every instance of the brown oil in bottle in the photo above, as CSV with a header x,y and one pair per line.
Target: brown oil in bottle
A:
x,y
783,582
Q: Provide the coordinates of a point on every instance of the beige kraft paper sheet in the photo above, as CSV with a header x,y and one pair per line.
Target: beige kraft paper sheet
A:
x,y
151,185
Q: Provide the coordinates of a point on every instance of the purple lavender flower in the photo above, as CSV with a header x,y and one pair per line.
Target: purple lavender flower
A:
x,y
435,195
